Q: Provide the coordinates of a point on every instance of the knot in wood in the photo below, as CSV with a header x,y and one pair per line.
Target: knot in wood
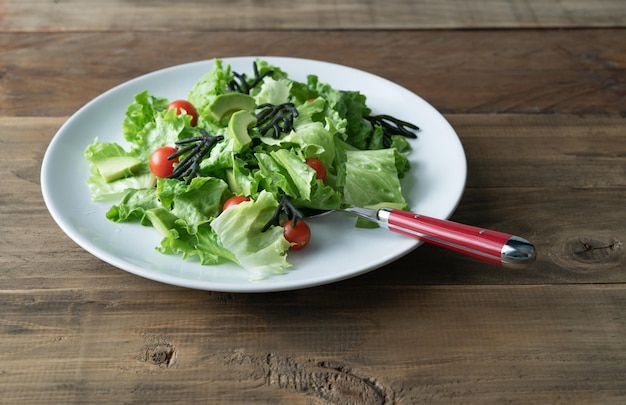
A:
x,y
329,381
590,250
162,354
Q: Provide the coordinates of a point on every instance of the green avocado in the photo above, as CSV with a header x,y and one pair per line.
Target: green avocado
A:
x,y
118,167
228,103
162,220
238,127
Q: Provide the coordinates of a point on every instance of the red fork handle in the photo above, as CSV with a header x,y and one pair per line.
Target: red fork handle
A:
x,y
492,246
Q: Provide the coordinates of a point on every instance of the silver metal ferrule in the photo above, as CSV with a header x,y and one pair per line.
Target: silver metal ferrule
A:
x,y
383,217
517,253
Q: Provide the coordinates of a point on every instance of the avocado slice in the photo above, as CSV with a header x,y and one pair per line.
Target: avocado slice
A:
x,y
162,220
238,127
118,167
228,103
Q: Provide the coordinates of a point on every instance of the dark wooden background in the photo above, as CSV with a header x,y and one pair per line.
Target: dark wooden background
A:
x,y
536,91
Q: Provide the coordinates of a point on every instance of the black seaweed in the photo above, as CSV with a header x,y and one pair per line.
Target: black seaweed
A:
x,y
240,82
277,117
392,126
286,207
195,149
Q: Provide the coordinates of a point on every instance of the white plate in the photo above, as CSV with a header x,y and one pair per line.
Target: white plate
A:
x,y
337,250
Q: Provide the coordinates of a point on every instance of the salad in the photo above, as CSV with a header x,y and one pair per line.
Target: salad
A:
x,y
228,173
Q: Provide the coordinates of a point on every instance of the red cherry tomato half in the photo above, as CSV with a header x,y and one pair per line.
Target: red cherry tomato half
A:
x,y
318,166
160,165
235,200
185,106
299,236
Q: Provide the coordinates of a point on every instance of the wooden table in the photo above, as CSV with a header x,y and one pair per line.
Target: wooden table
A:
x,y
536,90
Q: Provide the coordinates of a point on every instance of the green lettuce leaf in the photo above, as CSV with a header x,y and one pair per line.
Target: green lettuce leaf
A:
x,y
148,124
371,178
239,230
274,91
209,86
283,171
196,203
165,129
134,205
351,106
240,179
203,244
141,112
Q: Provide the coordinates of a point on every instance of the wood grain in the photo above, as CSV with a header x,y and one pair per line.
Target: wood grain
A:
x,y
194,15
370,345
536,91
569,72
567,199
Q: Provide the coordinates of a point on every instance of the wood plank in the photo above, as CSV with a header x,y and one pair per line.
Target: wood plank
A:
x,y
541,114
121,15
575,217
552,150
371,345
577,72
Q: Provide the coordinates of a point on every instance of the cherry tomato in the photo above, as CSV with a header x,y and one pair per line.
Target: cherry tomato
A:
x,y
160,165
238,199
318,166
185,106
299,236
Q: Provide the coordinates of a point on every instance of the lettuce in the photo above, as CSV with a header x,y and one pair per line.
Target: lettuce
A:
x,y
235,235
371,178
209,86
240,178
133,206
149,125
239,230
274,91
203,244
197,203
166,129
141,112
349,105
